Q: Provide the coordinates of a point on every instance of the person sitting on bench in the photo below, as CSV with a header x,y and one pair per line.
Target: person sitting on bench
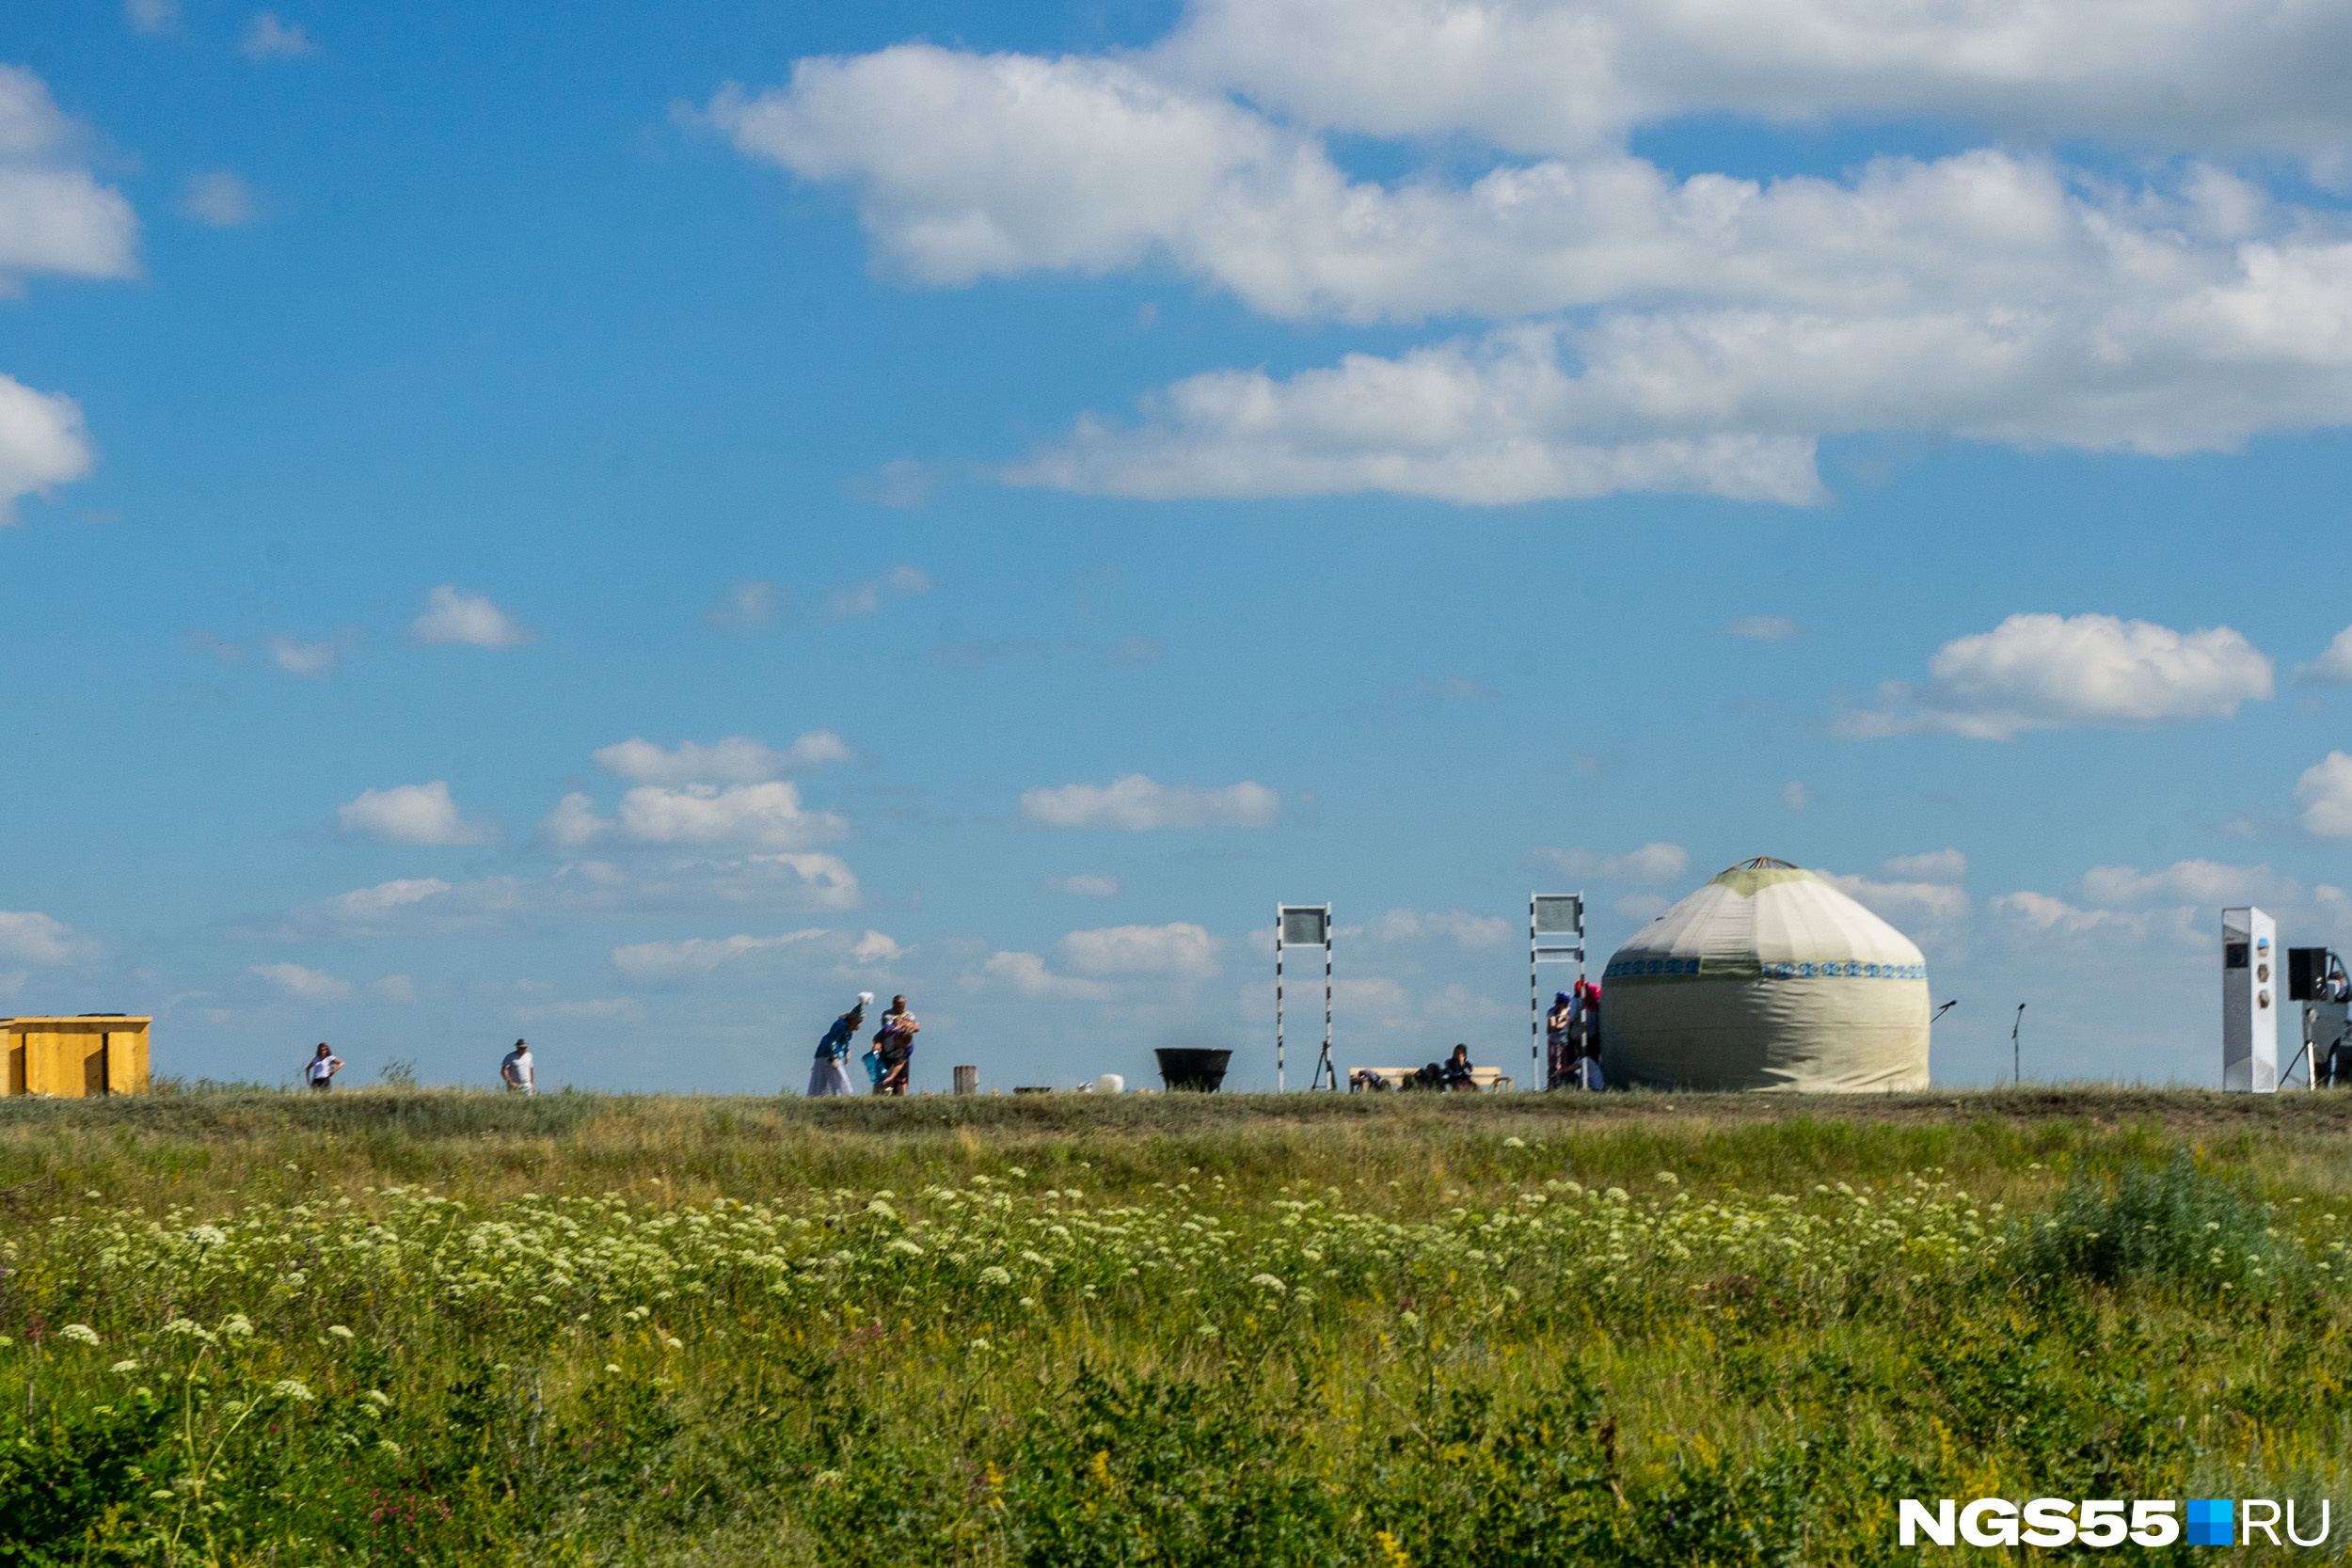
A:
x,y
1457,1070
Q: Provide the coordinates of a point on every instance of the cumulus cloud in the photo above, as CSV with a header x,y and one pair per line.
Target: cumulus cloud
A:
x,y
266,37
2333,667
152,16
875,948
650,960
1936,865
307,985
1180,949
2039,911
1927,904
2189,882
736,759
1796,795
429,906
451,619
1651,863
27,936
1135,803
1086,884
395,987
2046,671
746,607
42,442
55,216
1027,974
1710,329
762,815
411,813
1561,75
1763,628
2323,797
311,660
219,200
1469,932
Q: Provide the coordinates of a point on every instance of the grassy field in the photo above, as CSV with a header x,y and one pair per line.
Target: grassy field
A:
x,y
376,1327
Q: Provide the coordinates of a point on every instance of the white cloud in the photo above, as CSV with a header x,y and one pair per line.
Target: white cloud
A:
x,y
453,619
411,813
395,987
1086,884
2323,797
865,598
1135,803
2038,911
589,889
1547,76
1180,948
1027,974
311,660
367,906
2045,672
1936,865
268,38
876,948
1724,325
1651,863
27,936
2333,667
2191,881
648,960
1796,795
1763,628
55,216
219,198
1932,904
310,985
1643,905
762,815
746,607
736,759
574,822
1469,932
152,16
42,442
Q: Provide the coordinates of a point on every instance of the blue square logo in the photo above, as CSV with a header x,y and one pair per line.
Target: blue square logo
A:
x,y
2209,1520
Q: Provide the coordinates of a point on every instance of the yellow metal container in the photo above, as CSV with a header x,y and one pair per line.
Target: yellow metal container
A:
x,y
69,1057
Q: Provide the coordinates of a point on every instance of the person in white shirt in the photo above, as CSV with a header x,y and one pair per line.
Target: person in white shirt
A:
x,y
320,1070
517,1073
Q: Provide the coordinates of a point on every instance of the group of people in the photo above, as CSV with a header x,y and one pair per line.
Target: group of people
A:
x,y
517,1073
1572,1039
889,1057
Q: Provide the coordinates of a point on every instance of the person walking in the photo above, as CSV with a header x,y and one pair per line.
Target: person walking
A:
x,y
320,1070
517,1072
895,1043
830,1075
1559,1042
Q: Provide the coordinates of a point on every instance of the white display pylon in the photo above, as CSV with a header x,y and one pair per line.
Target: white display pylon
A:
x,y
2252,985
1304,926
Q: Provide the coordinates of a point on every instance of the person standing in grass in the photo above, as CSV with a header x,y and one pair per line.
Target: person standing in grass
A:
x,y
517,1072
320,1070
1559,1042
830,1076
894,1042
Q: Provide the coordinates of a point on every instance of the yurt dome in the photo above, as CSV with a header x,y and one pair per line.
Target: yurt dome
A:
x,y
1766,978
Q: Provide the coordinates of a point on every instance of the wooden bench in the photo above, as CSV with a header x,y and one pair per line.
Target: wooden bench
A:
x,y
1487,1079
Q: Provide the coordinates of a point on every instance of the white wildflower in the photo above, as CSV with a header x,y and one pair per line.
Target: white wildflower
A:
x,y
339,1332
82,1332
236,1326
288,1388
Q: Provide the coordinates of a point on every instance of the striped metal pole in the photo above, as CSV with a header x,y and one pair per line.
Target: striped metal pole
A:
x,y
1535,1006
1278,999
1326,998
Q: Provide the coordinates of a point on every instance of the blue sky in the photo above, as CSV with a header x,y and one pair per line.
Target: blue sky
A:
x,y
1426,453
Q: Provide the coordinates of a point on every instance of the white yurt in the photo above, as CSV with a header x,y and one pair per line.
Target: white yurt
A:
x,y
1766,978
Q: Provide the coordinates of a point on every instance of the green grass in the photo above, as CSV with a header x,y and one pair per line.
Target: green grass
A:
x,y
245,1326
